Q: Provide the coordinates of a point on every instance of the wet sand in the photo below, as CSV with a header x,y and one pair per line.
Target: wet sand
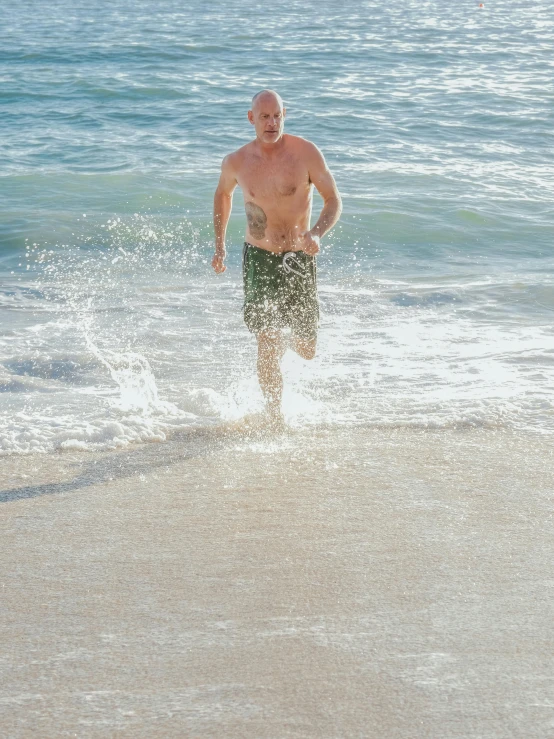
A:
x,y
355,583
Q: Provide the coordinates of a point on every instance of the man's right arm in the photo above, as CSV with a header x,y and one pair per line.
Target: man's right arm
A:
x,y
223,201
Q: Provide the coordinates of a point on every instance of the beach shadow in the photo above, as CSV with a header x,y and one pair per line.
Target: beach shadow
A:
x,y
180,446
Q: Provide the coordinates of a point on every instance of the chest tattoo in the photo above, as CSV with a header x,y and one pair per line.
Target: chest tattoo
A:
x,y
257,220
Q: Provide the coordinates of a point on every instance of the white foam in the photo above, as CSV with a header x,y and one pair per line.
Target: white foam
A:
x,y
129,351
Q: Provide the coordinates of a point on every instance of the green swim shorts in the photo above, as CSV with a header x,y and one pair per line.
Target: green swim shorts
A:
x,y
280,291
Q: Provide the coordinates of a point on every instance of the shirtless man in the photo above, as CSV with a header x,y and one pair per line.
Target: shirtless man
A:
x,y
276,172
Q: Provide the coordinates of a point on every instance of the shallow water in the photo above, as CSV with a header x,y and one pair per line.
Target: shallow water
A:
x,y
437,287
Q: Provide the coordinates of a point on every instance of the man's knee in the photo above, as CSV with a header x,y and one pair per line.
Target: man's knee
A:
x,y
305,348
269,344
308,353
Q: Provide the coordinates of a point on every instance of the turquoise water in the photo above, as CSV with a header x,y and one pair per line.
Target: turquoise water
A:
x,y
437,287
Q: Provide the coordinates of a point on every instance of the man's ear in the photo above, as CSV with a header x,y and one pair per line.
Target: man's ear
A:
x,y
251,117
284,112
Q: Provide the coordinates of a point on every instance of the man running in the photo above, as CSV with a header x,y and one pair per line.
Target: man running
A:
x,y
276,173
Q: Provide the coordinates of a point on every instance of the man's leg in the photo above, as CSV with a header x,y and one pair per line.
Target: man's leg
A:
x,y
303,308
271,348
303,347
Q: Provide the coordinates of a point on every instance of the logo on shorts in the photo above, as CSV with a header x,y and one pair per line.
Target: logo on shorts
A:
x,y
292,265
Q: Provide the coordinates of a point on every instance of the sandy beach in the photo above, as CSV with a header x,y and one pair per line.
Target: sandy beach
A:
x,y
384,568
213,586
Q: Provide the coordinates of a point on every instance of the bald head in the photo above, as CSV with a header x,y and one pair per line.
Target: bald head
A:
x,y
269,96
268,117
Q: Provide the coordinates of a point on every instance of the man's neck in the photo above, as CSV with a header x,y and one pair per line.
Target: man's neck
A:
x,y
269,150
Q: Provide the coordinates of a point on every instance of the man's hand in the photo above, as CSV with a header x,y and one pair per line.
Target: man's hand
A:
x,y
217,263
309,243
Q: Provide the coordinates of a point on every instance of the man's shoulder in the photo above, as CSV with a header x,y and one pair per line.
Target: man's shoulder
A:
x,y
233,163
234,158
301,145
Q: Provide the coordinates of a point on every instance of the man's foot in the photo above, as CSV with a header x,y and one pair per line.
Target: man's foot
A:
x,y
275,418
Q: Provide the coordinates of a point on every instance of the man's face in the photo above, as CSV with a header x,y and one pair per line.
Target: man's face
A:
x,y
268,118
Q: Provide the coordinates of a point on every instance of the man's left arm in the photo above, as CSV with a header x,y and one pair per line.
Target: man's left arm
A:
x,y
325,184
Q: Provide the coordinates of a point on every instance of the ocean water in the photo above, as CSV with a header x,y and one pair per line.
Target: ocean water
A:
x,y
437,286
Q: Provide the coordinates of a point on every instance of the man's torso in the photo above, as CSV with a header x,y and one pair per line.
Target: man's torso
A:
x,y
277,194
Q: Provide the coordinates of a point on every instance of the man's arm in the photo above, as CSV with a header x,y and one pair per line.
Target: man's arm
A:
x,y
223,202
332,203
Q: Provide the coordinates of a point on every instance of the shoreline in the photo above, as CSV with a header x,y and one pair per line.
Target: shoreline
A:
x,y
22,471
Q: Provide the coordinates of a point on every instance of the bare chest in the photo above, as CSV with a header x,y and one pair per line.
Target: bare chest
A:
x,y
261,180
